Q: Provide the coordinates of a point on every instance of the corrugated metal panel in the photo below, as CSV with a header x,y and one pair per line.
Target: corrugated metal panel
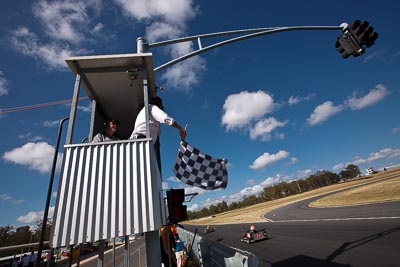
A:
x,y
107,190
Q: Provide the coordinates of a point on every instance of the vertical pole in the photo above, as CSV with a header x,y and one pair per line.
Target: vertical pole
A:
x,y
50,188
146,106
51,252
298,186
92,120
140,45
100,258
71,252
126,251
74,106
113,254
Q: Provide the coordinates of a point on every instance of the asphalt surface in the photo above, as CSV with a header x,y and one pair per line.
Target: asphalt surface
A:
x,y
364,235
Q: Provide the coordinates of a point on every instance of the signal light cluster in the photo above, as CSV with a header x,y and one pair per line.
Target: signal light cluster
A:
x,y
355,39
176,210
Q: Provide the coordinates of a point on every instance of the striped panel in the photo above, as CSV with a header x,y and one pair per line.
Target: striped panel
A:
x,y
107,190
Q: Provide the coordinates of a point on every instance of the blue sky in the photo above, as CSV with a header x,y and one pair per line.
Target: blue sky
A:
x,y
278,107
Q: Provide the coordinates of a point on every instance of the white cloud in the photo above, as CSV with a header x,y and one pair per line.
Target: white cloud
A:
x,y
36,156
339,167
240,109
373,97
381,154
51,124
303,173
293,100
5,197
34,216
185,75
293,160
66,20
10,199
53,54
3,84
263,128
256,189
162,30
167,19
375,55
323,112
252,189
174,11
30,137
267,159
251,182
396,130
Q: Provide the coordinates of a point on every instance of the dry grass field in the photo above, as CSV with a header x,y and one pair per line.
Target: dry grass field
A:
x,y
381,187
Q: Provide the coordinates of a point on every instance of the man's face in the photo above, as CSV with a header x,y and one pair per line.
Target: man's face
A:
x,y
113,125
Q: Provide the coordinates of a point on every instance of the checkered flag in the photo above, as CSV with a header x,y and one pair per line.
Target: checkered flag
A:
x,y
195,168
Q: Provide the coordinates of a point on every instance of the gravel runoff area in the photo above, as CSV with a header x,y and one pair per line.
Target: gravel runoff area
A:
x,y
377,188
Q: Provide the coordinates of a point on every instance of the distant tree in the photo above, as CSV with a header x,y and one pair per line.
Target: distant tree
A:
x,y
250,200
350,172
5,235
222,206
38,229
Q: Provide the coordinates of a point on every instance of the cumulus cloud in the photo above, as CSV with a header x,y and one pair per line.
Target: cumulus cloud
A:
x,y
381,154
338,167
69,26
10,199
31,137
303,173
256,188
326,110
374,96
293,160
293,100
251,182
253,188
185,75
174,11
53,54
60,18
167,19
323,112
34,216
268,159
264,128
240,109
36,156
5,197
3,84
51,124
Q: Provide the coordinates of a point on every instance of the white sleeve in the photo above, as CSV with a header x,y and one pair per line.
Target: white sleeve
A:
x,y
160,116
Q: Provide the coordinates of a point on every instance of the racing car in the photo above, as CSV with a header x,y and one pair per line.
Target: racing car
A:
x,y
254,235
209,229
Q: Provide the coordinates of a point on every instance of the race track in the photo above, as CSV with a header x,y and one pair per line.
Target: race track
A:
x,y
365,235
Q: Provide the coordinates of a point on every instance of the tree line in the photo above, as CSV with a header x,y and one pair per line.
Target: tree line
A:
x,y
11,236
280,190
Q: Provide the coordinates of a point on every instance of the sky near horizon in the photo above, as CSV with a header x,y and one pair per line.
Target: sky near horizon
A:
x,y
278,107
